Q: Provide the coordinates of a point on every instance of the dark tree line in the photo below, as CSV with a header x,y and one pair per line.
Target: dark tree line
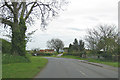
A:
x,y
77,48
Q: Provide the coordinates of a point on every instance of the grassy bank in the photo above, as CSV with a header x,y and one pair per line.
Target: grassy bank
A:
x,y
23,70
7,58
114,64
49,56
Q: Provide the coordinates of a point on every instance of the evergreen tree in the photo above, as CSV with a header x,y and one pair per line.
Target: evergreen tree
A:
x,y
70,48
81,45
75,45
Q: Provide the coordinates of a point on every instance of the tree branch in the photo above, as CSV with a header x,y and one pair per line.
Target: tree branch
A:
x,y
20,6
2,6
23,9
29,3
30,11
5,21
10,8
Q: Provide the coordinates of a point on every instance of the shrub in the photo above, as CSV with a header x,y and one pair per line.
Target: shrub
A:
x,y
75,53
107,56
7,58
66,53
44,54
55,53
6,46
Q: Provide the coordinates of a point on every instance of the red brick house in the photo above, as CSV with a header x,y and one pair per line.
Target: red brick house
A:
x,y
47,51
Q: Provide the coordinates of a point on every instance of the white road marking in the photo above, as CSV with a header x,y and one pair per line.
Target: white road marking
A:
x,y
83,73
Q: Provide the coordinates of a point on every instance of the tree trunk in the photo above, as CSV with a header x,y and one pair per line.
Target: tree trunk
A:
x,y
98,57
18,38
57,51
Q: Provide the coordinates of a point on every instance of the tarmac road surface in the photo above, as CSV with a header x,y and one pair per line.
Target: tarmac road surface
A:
x,y
73,68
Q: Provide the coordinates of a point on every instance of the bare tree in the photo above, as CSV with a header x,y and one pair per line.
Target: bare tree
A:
x,y
104,37
17,14
56,44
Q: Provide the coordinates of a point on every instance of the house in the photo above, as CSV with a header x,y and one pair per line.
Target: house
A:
x,y
47,51
42,51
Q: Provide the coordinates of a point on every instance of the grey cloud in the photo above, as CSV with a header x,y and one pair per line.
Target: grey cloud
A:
x,y
92,18
76,29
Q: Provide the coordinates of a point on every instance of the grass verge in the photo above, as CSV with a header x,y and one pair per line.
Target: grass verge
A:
x,y
7,59
49,56
23,70
114,64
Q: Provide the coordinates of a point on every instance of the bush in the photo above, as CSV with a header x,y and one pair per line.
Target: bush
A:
x,y
7,58
77,53
6,46
107,56
44,54
28,56
66,53
55,53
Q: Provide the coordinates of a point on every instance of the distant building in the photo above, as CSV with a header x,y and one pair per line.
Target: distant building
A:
x,y
47,51
42,50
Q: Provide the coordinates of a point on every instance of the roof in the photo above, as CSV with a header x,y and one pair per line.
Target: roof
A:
x,y
47,50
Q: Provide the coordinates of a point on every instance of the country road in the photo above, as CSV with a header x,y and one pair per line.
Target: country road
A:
x,y
72,68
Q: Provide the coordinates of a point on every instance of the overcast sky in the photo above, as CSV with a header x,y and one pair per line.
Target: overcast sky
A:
x,y
74,22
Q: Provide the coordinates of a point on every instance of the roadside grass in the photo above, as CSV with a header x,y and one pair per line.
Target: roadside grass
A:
x,y
7,58
70,56
24,70
49,56
110,63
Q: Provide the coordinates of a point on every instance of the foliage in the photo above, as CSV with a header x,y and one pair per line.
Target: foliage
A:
x,y
8,59
24,70
77,49
56,44
55,53
106,62
6,46
75,45
44,54
18,39
66,53
17,14
104,38
70,48
81,45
